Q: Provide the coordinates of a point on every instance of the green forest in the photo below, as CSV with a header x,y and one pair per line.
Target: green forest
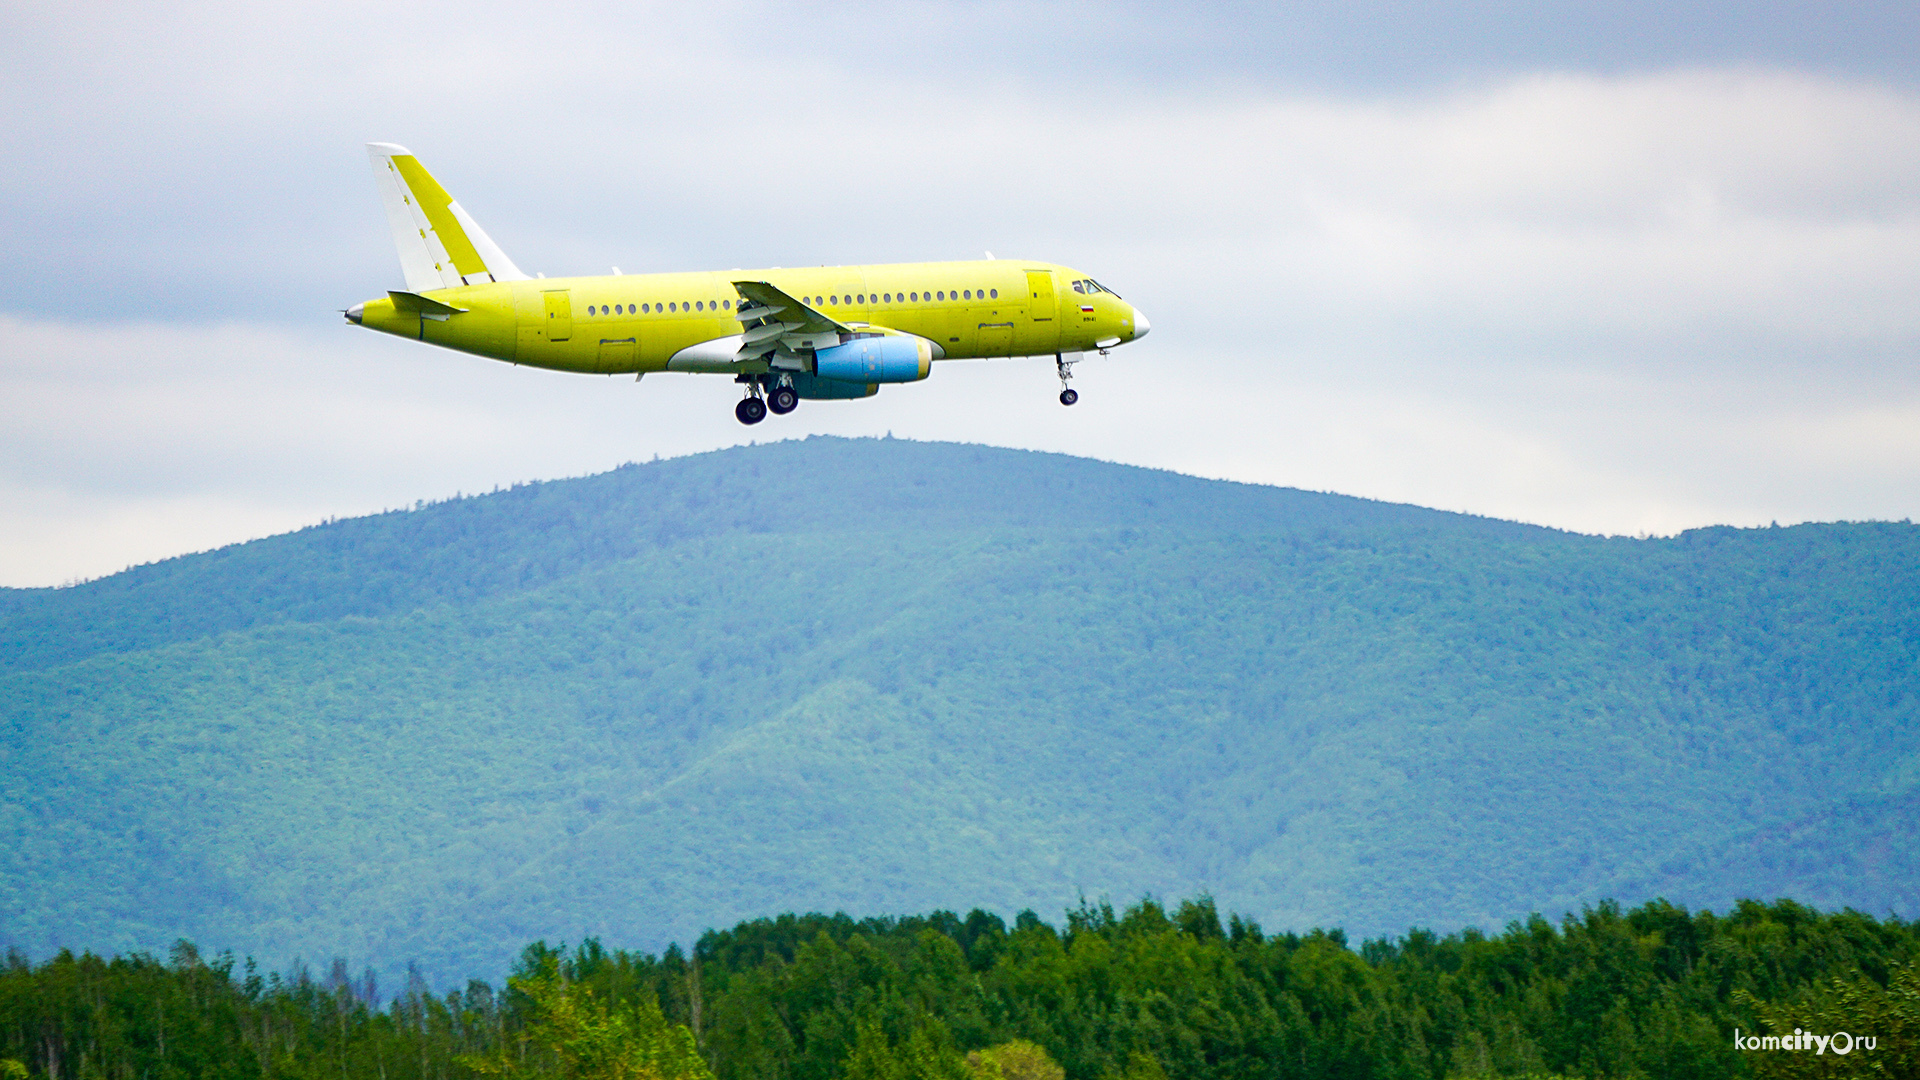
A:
x,y
879,675
1147,993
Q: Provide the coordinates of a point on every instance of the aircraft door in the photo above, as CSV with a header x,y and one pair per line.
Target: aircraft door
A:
x,y
1041,304
559,315
1039,333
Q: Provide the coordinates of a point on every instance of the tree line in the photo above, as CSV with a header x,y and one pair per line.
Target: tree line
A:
x,y
1144,993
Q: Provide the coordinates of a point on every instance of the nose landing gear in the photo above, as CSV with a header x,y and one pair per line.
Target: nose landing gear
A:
x,y
1064,367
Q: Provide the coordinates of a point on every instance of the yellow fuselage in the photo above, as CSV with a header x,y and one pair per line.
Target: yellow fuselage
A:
x,y
627,323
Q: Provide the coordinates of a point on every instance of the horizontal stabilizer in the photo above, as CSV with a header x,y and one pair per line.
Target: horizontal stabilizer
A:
x,y
422,305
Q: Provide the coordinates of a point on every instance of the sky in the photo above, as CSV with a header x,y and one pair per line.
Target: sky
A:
x,y
1624,268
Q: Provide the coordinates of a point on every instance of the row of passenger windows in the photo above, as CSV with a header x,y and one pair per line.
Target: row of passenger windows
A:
x,y
906,298
674,306
649,309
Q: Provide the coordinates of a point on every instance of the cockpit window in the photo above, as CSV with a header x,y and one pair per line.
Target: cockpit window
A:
x,y
1079,286
1097,287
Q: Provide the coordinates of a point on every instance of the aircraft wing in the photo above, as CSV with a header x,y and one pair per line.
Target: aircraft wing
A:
x,y
773,322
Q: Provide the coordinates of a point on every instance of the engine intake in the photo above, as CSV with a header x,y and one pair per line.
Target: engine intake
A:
x,y
875,360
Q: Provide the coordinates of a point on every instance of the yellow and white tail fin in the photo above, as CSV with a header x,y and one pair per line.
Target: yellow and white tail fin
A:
x,y
440,246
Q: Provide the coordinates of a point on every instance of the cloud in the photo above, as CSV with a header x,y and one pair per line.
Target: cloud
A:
x,y
1621,302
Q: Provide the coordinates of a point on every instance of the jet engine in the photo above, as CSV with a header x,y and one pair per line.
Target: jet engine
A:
x,y
875,360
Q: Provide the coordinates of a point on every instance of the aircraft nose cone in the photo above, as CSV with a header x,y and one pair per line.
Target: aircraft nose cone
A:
x,y
354,313
1140,324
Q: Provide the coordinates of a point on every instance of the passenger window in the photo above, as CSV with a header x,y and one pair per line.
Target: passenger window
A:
x,y
996,294
833,300
942,294
726,305
646,309
862,298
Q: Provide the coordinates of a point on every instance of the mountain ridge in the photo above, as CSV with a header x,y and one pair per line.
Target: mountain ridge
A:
x,y
676,481
685,693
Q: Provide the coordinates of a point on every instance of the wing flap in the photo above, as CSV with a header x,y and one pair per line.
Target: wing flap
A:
x,y
778,326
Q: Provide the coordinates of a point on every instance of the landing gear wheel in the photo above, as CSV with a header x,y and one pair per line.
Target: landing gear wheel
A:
x,y
1064,368
750,410
782,400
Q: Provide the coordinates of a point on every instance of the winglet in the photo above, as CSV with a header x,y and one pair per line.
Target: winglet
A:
x,y
440,246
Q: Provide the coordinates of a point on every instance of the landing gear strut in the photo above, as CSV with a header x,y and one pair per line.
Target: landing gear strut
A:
x,y
780,399
751,409
1064,366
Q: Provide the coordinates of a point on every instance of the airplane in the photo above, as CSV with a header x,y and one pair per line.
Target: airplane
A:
x,y
818,333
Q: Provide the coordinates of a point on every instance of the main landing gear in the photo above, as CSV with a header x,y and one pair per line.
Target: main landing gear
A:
x,y
781,398
1064,366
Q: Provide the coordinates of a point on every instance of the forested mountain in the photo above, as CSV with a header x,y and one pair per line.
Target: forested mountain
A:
x,y
877,675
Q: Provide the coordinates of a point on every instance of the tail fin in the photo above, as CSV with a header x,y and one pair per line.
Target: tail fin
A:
x,y
440,246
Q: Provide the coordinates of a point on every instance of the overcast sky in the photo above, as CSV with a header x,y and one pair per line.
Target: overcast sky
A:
x,y
1617,268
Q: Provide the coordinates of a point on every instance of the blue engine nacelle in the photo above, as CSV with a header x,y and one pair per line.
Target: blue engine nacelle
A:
x,y
875,360
816,389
